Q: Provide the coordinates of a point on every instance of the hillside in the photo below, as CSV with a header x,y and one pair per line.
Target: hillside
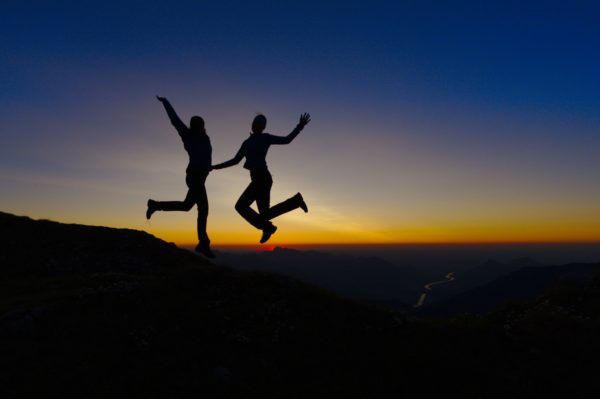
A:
x,y
97,312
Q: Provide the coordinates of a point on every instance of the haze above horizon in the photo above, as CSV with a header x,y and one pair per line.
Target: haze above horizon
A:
x,y
431,122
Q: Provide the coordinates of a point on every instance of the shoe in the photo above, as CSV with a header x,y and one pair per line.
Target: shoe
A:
x,y
302,203
205,250
151,209
267,233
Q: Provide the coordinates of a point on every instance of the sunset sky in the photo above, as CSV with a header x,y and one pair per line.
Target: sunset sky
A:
x,y
431,121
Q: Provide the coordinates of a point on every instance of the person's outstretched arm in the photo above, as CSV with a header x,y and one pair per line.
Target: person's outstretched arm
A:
x,y
304,119
233,161
173,117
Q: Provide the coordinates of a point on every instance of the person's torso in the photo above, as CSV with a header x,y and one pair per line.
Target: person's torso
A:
x,y
256,148
199,151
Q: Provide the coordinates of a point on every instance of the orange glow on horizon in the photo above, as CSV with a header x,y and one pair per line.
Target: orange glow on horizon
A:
x,y
484,232
250,240
513,232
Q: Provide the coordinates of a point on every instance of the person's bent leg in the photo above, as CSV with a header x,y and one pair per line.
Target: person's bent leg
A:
x,y
242,206
263,183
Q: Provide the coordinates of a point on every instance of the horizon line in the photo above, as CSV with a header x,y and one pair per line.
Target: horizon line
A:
x,y
396,244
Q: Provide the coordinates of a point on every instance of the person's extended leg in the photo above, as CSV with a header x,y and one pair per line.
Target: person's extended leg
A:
x,y
287,206
184,205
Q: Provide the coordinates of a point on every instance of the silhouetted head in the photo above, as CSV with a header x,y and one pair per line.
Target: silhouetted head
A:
x,y
197,124
259,123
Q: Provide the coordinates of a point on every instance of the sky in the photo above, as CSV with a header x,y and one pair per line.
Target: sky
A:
x,y
432,121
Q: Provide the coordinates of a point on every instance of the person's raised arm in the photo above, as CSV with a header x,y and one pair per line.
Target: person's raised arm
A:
x,y
304,119
175,120
233,161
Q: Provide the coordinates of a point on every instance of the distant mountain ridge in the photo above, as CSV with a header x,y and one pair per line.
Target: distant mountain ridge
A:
x,y
526,283
359,277
478,276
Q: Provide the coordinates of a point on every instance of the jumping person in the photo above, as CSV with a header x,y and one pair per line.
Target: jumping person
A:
x,y
255,148
197,144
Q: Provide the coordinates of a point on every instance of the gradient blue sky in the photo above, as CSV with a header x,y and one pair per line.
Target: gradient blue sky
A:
x,y
432,121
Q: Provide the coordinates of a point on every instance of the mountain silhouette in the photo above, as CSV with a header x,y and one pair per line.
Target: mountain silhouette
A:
x,y
526,283
477,276
100,312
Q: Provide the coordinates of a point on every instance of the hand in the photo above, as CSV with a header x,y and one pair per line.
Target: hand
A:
x,y
161,99
304,119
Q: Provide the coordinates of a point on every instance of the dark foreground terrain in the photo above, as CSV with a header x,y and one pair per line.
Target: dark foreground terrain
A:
x,y
92,312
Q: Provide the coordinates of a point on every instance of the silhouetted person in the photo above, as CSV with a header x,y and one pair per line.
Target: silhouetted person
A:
x,y
197,144
255,150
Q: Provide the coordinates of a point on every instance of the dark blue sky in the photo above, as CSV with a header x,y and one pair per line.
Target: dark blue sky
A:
x,y
514,55
418,100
